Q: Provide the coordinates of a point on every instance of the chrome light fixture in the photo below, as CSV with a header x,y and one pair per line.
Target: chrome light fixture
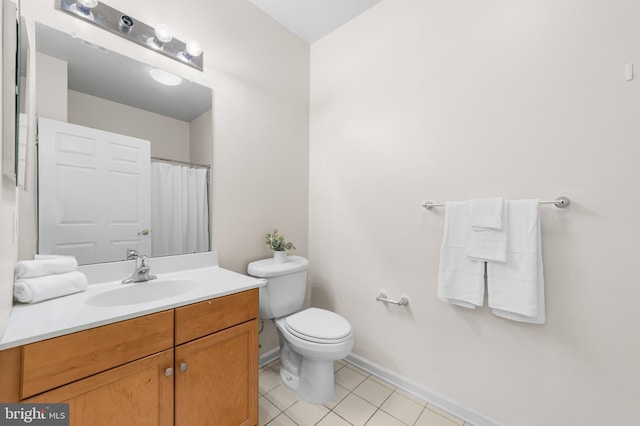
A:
x,y
158,39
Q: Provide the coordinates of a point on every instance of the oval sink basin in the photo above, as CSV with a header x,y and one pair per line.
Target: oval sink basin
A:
x,y
148,291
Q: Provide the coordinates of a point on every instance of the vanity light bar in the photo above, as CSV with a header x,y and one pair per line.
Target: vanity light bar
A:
x,y
125,26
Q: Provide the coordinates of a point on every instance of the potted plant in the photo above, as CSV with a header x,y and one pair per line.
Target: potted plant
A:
x,y
276,242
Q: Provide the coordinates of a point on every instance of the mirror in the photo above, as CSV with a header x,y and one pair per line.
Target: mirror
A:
x,y
90,89
15,121
25,113
10,86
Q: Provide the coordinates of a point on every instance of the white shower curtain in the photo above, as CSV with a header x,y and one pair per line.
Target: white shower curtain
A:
x,y
179,209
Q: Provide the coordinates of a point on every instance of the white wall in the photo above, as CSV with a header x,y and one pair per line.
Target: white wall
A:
x,y
259,73
441,100
52,95
8,247
169,137
200,137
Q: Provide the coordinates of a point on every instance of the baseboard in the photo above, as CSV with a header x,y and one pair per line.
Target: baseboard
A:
x,y
269,356
431,397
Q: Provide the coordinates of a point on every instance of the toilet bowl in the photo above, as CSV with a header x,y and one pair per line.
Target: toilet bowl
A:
x,y
307,352
310,339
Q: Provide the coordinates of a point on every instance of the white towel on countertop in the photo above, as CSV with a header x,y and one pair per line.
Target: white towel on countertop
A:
x,y
38,289
460,279
45,266
487,213
488,244
516,287
39,256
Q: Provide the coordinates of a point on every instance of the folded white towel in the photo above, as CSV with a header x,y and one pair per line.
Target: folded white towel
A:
x,y
33,290
488,244
39,256
460,279
487,213
43,267
516,288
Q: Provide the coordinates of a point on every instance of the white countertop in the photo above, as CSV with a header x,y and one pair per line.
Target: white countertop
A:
x,y
30,323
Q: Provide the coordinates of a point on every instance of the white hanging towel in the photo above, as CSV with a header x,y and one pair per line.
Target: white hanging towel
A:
x,y
487,213
460,279
487,230
516,287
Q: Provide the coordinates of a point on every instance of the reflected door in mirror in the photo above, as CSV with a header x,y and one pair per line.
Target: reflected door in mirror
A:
x,y
94,192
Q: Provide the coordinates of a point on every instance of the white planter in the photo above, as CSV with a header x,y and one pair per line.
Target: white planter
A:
x,y
279,256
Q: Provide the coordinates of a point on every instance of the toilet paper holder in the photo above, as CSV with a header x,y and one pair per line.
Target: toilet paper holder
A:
x,y
382,297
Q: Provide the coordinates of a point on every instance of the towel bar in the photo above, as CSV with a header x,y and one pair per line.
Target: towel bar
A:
x,y
560,202
382,297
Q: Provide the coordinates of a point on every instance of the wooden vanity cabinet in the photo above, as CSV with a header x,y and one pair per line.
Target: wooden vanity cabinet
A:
x,y
129,373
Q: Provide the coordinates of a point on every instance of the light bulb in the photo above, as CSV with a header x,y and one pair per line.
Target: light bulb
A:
x,y
88,3
163,33
193,48
84,6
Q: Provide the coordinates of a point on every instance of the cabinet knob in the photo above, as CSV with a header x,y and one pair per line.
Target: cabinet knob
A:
x,y
183,366
168,371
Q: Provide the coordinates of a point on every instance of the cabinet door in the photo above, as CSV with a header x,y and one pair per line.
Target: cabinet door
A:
x,y
135,394
217,378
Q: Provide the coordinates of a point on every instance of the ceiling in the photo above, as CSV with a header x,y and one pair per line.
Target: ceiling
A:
x,y
313,19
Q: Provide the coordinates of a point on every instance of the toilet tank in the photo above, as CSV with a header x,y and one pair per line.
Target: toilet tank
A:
x,y
286,285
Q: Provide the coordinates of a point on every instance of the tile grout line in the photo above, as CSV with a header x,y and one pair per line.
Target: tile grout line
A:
x,y
366,376
420,415
379,408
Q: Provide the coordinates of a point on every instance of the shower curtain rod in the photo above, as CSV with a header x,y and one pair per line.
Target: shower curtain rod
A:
x,y
560,202
182,163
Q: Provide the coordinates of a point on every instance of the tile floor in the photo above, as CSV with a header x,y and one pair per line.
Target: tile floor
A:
x,y
361,399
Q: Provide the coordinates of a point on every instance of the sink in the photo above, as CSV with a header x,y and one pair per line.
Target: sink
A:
x,y
148,291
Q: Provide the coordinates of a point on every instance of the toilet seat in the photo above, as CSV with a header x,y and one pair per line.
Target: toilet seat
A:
x,y
319,326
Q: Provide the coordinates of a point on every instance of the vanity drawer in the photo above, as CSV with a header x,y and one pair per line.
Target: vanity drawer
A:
x,y
210,316
61,360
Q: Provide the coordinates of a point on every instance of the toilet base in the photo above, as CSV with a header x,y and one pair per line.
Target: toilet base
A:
x,y
315,383
307,367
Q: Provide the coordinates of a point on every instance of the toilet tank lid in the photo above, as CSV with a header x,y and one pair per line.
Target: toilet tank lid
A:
x,y
267,268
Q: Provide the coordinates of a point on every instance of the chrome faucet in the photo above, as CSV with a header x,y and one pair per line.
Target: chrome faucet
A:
x,y
141,273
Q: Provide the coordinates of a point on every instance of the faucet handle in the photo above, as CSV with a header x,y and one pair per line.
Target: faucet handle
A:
x,y
132,254
143,261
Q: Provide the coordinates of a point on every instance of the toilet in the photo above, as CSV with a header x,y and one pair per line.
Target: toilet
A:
x,y
311,339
